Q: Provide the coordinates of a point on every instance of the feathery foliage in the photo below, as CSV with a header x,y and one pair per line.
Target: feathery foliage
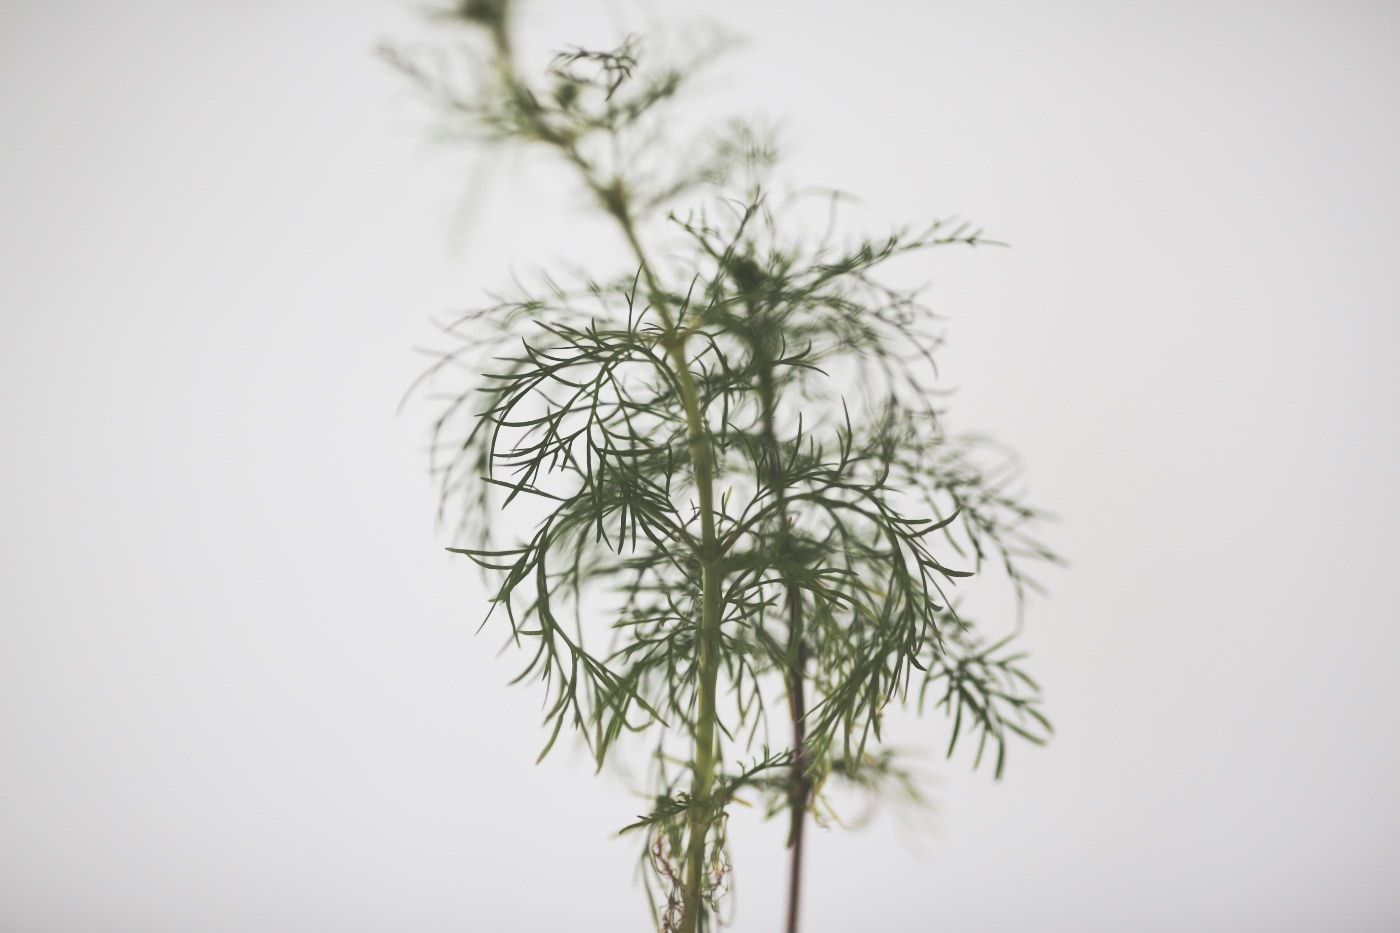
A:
x,y
749,516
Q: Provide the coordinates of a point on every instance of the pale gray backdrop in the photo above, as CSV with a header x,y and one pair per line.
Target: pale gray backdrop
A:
x,y
239,689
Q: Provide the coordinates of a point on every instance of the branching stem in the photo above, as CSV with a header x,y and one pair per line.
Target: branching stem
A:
x,y
706,753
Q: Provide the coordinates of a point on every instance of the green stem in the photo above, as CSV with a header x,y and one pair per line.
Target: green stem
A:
x,y
706,754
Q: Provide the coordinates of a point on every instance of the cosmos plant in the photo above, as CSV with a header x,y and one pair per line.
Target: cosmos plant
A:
x,y
747,516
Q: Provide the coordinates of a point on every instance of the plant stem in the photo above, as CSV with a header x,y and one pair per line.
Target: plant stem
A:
x,y
704,761
702,456
799,784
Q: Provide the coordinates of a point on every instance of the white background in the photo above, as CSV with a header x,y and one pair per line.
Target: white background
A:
x,y
239,686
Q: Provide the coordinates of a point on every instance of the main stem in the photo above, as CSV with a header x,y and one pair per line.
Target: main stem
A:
x,y
704,762
706,755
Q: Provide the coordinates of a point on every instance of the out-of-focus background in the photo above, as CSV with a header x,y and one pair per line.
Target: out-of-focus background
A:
x,y
239,685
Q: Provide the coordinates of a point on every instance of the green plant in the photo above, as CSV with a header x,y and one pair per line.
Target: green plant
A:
x,y
737,470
